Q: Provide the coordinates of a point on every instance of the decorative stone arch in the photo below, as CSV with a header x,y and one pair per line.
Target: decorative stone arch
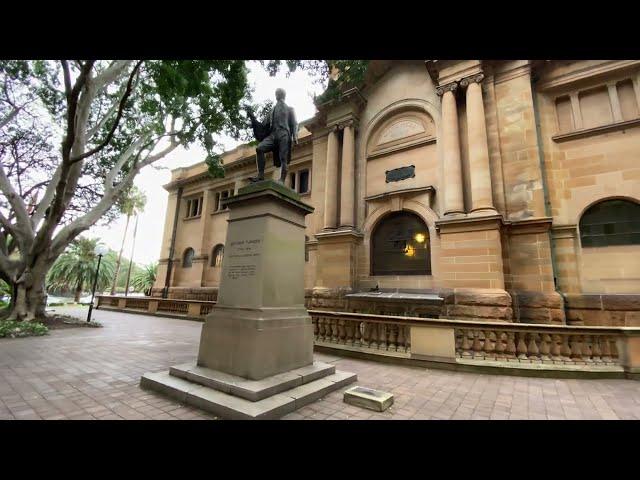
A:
x,y
426,214
399,106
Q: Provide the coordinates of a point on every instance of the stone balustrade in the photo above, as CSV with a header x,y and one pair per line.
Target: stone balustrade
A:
x,y
608,351
552,348
154,305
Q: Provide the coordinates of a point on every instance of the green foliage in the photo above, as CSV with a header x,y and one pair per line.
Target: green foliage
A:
x,y
13,329
76,267
132,201
145,278
339,75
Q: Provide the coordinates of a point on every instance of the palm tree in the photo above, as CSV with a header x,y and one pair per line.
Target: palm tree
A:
x,y
75,269
131,203
145,278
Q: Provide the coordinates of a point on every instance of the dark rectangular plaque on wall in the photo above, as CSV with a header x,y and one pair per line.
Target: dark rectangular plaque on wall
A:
x,y
401,173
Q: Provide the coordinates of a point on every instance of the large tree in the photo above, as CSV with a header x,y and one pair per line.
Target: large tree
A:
x,y
73,135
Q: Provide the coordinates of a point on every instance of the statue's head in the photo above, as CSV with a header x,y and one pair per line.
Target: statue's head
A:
x,y
280,94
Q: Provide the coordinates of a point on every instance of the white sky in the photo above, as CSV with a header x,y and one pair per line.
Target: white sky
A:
x,y
300,89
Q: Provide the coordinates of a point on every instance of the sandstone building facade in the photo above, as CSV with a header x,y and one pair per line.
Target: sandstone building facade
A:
x,y
501,190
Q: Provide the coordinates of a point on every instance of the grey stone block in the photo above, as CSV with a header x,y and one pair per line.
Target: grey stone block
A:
x,y
368,398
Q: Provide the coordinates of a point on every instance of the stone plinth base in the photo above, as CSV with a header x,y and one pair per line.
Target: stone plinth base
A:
x,y
234,397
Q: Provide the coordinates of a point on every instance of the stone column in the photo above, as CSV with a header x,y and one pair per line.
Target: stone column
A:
x,y
347,181
453,200
479,170
331,182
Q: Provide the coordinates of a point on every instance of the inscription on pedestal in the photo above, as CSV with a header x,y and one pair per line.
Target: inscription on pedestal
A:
x,y
242,257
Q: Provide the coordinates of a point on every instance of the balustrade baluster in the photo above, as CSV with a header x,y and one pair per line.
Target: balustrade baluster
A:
x,y
606,350
511,346
466,345
407,336
393,336
596,351
314,320
373,335
458,336
576,348
545,347
489,345
382,336
500,346
556,348
400,345
358,333
321,329
533,351
522,346
349,329
341,332
334,330
477,344
565,349
586,349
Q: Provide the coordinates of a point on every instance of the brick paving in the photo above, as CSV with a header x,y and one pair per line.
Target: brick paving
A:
x,y
94,374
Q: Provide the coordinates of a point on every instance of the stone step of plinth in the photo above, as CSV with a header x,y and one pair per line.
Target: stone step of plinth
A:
x,y
252,390
228,406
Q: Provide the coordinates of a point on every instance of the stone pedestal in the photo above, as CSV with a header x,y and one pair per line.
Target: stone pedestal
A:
x,y
256,348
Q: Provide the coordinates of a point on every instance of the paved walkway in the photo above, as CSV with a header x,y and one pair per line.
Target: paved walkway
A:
x,y
94,374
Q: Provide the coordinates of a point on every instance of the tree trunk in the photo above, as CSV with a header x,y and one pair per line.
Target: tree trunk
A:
x,y
30,302
78,292
115,277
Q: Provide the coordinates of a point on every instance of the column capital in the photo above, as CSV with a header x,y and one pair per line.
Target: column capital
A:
x,y
352,122
449,87
477,78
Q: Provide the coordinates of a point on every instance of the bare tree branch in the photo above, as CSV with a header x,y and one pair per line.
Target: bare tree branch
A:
x,y
123,101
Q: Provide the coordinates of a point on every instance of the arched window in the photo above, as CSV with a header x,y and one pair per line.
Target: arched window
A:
x,y
187,258
611,222
216,255
400,246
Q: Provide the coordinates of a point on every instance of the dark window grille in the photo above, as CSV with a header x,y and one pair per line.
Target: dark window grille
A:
x,y
187,259
217,255
611,223
303,181
400,246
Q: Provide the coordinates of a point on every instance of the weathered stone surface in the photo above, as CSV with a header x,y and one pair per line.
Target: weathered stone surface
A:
x,y
539,299
621,302
229,406
482,297
581,301
534,315
484,312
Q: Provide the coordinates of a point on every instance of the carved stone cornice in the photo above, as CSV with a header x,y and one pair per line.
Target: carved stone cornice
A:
x,y
477,78
449,87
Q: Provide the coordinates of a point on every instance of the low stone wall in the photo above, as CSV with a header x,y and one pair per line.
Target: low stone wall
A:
x,y
605,309
528,349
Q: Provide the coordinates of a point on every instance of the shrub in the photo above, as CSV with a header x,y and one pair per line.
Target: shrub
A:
x,y
13,329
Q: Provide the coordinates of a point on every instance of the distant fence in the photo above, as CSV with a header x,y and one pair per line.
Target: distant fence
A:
x,y
610,351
